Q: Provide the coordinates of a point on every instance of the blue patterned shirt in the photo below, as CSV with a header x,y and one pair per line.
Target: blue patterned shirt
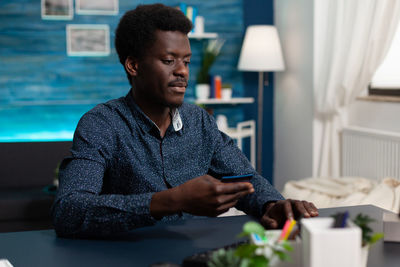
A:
x,y
118,161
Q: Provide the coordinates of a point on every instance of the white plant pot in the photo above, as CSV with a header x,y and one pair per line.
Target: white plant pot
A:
x,y
202,91
364,256
226,93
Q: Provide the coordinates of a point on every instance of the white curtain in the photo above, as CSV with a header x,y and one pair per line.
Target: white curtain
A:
x,y
351,38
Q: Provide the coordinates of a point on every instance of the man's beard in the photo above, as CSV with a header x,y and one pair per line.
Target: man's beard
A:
x,y
174,106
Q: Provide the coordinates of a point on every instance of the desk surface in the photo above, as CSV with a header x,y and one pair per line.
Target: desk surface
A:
x,y
159,243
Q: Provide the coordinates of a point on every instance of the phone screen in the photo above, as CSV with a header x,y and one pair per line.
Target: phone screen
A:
x,y
237,178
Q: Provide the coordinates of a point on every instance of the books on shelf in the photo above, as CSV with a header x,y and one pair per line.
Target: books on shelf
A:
x,y
191,13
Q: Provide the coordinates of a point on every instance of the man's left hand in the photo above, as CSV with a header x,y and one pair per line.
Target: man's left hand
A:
x,y
276,213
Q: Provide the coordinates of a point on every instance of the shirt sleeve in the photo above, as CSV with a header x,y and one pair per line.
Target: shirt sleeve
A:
x,y
79,208
228,159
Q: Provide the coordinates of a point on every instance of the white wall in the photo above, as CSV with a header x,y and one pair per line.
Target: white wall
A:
x,y
376,115
293,101
293,92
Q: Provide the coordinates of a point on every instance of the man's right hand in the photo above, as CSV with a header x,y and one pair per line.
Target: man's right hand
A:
x,y
207,196
203,196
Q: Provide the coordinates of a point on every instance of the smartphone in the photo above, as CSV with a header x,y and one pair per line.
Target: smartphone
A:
x,y
237,178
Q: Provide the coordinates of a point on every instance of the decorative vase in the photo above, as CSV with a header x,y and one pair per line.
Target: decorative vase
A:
x,y
202,91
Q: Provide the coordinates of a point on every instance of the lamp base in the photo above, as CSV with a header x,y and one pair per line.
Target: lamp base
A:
x,y
260,121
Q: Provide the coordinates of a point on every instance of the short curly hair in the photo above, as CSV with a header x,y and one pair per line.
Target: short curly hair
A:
x,y
135,31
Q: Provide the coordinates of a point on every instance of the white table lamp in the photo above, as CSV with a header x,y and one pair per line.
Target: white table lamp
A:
x,y
261,52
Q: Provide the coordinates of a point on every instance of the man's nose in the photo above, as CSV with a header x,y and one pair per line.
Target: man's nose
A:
x,y
181,69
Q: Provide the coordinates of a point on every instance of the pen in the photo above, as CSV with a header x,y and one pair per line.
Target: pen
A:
x,y
284,229
340,219
289,230
344,219
259,239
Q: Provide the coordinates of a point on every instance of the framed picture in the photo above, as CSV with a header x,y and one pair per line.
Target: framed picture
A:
x,y
88,40
57,9
97,7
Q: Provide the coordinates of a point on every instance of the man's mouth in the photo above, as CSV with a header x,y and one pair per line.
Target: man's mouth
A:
x,y
178,84
179,87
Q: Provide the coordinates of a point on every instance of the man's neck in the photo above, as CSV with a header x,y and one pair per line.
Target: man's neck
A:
x,y
159,114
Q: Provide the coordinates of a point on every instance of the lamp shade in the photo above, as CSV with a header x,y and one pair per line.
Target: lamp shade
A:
x,y
261,50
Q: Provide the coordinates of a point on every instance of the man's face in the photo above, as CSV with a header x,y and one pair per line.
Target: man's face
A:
x,y
162,74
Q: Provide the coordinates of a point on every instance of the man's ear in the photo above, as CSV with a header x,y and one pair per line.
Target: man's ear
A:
x,y
131,66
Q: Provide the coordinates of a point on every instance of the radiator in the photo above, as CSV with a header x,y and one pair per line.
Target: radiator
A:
x,y
370,153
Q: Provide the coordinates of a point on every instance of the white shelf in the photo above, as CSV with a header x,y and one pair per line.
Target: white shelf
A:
x,y
234,100
244,129
204,35
236,134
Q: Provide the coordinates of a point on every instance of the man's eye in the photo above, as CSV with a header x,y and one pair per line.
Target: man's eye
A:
x,y
186,63
168,61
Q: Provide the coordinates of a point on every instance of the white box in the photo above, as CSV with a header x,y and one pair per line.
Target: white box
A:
x,y
295,255
391,227
330,247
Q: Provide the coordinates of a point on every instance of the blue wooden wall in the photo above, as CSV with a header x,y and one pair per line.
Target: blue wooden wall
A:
x,y
43,92
261,12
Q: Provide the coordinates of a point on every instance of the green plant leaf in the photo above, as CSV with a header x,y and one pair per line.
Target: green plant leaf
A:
x,y
223,258
368,237
243,234
259,261
286,245
246,250
363,222
210,53
254,227
282,255
375,237
245,263
215,258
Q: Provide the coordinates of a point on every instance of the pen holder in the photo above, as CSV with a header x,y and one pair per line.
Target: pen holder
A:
x,y
330,247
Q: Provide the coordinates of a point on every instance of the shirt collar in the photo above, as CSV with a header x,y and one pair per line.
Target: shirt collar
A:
x,y
176,120
145,122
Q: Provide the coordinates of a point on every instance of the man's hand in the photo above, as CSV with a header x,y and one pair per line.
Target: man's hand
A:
x,y
204,196
207,196
276,213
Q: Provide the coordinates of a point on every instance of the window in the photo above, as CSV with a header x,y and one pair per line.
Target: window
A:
x,y
386,80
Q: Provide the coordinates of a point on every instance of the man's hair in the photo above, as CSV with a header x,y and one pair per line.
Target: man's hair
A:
x,y
136,30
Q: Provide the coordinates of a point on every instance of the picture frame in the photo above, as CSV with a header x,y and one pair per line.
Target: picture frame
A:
x,y
88,40
98,7
57,9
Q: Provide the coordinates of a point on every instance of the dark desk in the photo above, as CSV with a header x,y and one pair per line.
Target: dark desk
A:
x,y
160,243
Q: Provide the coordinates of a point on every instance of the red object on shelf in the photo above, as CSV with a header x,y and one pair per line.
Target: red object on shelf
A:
x,y
218,87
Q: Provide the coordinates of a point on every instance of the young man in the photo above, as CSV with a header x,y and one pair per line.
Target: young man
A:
x,y
149,156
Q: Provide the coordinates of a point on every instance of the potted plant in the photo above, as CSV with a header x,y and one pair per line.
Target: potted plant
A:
x,y
368,237
252,255
226,91
210,53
